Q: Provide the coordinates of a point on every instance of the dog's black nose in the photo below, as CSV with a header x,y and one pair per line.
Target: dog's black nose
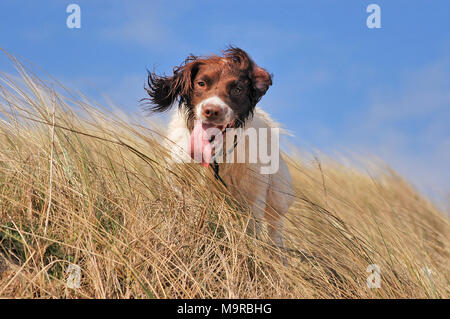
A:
x,y
212,112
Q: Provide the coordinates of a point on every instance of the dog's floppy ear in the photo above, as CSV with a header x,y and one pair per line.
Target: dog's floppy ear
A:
x,y
261,81
165,90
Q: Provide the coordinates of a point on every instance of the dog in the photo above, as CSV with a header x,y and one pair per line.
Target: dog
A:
x,y
220,94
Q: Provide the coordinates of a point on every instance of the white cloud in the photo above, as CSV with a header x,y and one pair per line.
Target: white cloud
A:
x,y
146,24
410,128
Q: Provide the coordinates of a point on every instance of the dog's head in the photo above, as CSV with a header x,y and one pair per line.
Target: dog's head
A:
x,y
219,91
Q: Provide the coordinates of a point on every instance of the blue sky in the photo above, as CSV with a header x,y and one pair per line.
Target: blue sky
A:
x,y
338,85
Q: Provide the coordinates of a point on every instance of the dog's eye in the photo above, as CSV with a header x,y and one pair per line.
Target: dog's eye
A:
x,y
201,83
236,91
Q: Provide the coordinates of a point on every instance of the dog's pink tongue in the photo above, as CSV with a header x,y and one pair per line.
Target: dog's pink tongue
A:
x,y
200,147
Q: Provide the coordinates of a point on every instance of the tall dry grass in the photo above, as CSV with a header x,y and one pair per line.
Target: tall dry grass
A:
x,y
80,185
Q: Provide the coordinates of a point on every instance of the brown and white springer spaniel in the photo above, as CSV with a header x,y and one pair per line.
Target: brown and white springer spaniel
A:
x,y
220,93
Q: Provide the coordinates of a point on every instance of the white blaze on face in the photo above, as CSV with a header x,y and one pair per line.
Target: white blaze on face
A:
x,y
201,136
227,111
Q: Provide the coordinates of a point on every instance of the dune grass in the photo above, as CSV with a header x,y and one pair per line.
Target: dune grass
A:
x,y
84,186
